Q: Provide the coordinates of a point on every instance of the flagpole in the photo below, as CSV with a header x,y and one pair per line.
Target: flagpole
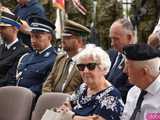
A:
x,y
60,4
94,36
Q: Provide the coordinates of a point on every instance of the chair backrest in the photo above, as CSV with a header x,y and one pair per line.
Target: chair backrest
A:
x,y
48,101
15,103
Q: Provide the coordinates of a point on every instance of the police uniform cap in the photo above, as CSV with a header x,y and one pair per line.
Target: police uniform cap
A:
x,y
140,52
39,24
9,19
73,28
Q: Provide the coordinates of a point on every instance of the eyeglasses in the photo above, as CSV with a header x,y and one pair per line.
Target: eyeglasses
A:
x,y
90,66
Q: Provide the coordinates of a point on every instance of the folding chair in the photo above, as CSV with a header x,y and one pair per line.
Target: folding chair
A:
x,y
15,103
48,101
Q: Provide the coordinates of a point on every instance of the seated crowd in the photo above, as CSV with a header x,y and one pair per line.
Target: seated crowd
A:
x,y
119,84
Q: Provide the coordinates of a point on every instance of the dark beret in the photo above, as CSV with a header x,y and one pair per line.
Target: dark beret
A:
x,y
140,52
40,24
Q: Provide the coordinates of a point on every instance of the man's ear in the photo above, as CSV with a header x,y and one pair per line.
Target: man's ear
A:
x,y
129,38
146,70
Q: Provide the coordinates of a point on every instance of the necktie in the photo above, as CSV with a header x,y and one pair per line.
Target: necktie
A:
x,y
138,105
117,62
5,49
63,77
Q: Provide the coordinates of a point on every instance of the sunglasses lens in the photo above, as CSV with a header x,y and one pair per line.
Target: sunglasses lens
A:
x,y
91,66
81,67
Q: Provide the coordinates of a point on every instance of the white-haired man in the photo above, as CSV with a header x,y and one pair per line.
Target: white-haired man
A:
x,y
121,34
143,69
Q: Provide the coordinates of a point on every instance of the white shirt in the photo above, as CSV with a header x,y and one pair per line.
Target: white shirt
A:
x,y
11,44
150,106
45,49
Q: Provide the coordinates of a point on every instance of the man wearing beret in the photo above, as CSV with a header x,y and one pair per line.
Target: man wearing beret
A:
x,y
11,49
121,34
34,67
143,69
64,76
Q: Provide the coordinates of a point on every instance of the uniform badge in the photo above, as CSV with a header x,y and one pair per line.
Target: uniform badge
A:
x,y
14,48
47,54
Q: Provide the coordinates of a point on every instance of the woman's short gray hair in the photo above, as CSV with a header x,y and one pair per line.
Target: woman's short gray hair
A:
x,y
98,55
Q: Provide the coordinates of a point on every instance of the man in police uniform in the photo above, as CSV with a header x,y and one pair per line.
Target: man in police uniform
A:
x,y
64,76
143,69
11,49
34,67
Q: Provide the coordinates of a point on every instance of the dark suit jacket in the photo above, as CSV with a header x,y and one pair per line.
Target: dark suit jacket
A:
x,y
119,79
8,63
59,75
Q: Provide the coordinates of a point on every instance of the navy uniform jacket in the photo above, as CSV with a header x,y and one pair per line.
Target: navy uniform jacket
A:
x,y
32,8
25,12
33,69
8,63
119,79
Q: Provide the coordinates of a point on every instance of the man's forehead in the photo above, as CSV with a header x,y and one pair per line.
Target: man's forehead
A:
x,y
70,37
39,33
3,27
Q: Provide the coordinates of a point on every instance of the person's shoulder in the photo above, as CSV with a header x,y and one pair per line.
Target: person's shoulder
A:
x,y
111,51
112,91
61,55
134,90
112,54
53,50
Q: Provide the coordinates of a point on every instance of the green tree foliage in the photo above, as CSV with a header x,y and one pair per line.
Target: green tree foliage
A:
x,y
148,15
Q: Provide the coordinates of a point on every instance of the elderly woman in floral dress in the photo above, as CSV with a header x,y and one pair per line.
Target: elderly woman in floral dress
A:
x,y
96,98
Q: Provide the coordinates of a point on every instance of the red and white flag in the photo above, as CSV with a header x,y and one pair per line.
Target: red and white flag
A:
x,y
79,6
59,4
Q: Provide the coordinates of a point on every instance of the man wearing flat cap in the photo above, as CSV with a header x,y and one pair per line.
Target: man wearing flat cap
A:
x,y
143,69
11,49
34,67
64,76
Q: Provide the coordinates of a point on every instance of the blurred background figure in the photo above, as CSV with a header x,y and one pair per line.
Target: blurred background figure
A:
x,y
154,38
144,17
25,9
28,8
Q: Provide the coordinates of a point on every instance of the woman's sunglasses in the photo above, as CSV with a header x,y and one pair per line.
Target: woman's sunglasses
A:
x,y
90,66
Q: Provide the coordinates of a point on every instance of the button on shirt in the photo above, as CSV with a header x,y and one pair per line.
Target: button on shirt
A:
x,y
150,105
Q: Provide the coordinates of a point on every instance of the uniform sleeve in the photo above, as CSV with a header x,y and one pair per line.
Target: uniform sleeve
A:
x,y
47,86
49,83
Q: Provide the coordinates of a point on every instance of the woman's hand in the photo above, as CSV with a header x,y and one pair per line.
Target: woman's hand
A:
x,y
66,107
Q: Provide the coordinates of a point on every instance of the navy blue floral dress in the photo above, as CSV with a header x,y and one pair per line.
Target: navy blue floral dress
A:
x,y
106,103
